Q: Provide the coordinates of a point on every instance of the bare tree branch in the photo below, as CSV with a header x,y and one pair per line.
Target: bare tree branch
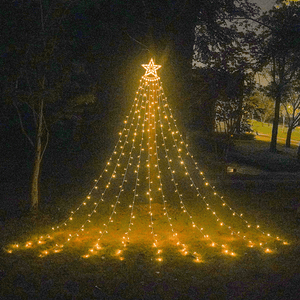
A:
x,y
21,124
47,137
146,47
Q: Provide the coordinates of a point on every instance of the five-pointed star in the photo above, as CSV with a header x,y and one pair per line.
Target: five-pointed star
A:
x,y
151,68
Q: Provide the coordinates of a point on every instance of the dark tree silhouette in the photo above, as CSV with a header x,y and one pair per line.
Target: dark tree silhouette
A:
x,y
280,48
37,73
43,39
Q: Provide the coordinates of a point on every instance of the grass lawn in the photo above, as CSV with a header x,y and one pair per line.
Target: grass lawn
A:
x,y
266,128
254,152
192,269
136,273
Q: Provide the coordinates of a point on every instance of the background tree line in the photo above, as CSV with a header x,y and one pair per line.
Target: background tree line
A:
x,y
69,67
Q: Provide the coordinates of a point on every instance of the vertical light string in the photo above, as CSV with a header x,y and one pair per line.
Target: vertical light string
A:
x,y
107,186
215,194
126,237
121,189
114,152
150,130
182,204
41,240
169,160
193,184
197,257
180,196
125,133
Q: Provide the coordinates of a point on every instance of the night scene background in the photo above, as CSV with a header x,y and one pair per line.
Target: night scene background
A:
x,y
69,73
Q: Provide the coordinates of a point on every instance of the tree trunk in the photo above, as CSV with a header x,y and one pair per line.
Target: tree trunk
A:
x,y
206,116
37,163
288,137
275,125
240,87
239,117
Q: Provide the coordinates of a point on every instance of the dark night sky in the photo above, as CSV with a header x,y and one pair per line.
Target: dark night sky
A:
x,y
264,4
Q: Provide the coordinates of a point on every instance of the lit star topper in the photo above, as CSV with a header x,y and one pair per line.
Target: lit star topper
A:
x,y
151,68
